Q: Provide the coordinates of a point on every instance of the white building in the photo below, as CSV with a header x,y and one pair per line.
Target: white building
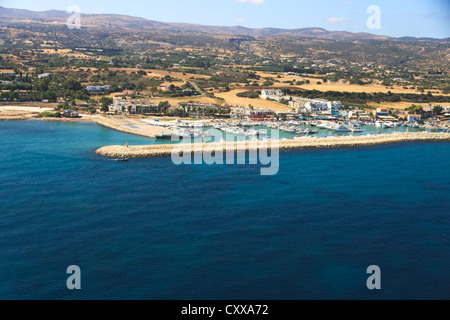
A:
x,y
7,72
271,94
316,106
98,88
335,105
119,105
414,117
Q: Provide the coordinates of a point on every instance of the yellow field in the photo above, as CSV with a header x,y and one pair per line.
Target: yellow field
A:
x,y
404,105
233,100
370,88
176,101
67,52
161,73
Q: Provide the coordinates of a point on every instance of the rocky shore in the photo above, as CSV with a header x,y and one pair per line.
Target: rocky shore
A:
x,y
294,144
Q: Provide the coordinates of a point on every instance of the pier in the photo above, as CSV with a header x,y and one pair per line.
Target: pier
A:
x,y
284,144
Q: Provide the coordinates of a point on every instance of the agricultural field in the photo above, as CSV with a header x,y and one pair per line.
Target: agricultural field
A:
x,y
403,105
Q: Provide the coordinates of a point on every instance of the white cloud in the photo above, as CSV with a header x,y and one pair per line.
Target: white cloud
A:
x,y
251,1
337,19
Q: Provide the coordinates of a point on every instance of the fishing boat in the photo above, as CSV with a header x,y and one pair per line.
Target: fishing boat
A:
x,y
121,159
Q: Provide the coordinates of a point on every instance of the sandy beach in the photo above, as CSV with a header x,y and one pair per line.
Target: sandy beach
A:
x,y
14,113
298,144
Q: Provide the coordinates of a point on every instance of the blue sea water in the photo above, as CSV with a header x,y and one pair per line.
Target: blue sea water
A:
x,y
147,229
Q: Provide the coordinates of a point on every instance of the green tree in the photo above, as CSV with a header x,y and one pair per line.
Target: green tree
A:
x,y
92,109
163,106
72,84
105,102
437,110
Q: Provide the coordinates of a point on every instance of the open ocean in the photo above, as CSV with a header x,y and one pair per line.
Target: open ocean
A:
x,y
147,229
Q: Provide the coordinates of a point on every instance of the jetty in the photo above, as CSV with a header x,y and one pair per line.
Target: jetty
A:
x,y
284,144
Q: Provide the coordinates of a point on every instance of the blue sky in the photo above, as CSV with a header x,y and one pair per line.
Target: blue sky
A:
x,y
419,18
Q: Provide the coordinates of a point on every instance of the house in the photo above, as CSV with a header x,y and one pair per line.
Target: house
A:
x,y
428,111
388,118
98,88
7,72
355,114
316,106
414,117
271,94
70,114
381,112
438,118
119,106
365,117
43,75
334,105
82,104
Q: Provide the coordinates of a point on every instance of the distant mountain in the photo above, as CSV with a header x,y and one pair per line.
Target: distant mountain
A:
x,y
21,13
122,21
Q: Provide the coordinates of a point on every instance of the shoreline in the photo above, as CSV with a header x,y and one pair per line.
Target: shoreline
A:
x,y
122,125
153,151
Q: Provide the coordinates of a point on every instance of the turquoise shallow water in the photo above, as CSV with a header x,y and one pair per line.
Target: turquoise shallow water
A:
x,y
146,229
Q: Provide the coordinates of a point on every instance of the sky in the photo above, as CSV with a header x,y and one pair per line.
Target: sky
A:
x,y
417,18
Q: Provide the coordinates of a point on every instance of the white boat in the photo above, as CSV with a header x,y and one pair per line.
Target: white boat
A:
x,y
251,133
310,131
341,128
323,125
355,129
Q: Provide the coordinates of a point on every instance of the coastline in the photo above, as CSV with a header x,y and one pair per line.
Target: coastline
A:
x,y
125,125
151,151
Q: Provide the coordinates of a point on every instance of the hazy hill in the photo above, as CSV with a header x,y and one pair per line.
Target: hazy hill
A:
x,y
11,16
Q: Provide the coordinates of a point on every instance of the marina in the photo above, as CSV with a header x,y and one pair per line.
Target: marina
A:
x,y
251,130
